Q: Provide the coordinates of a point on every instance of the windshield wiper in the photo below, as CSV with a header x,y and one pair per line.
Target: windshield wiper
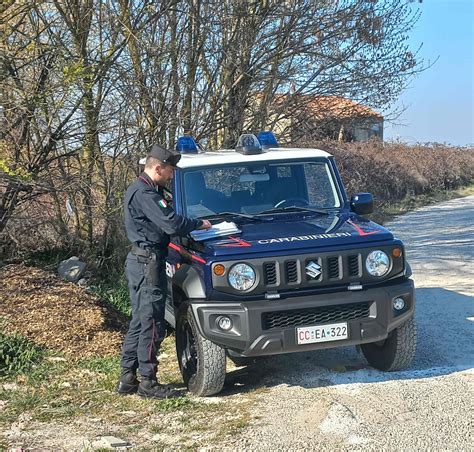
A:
x,y
235,214
294,208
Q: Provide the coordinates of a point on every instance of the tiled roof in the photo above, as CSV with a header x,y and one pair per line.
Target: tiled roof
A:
x,y
325,107
339,107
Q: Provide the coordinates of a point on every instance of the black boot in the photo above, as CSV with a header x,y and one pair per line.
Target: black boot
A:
x,y
128,383
151,389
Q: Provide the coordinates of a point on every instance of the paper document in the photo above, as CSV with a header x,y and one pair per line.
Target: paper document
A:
x,y
217,230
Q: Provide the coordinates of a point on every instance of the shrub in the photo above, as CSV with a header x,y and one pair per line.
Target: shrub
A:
x,y
393,171
17,354
114,290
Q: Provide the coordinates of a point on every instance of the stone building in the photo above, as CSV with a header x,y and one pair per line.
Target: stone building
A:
x,y
319,117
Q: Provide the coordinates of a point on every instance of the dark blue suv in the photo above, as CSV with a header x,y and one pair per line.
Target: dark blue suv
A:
x,y
303,270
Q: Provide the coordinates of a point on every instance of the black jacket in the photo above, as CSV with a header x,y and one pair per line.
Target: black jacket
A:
x,y
149,219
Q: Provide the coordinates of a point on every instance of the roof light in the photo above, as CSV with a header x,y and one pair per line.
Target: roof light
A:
x,y
248,144
186,145
267,139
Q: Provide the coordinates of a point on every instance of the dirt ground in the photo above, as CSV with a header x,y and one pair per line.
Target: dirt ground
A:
x,y
57,314
69,402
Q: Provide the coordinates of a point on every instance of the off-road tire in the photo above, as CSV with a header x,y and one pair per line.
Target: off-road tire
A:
x,y
396,352
201,362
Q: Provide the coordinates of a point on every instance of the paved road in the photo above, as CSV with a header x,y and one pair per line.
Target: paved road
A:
x,y
332,399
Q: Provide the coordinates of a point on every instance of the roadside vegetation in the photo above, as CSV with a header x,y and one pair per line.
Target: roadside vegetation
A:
x,y
402,177
17,355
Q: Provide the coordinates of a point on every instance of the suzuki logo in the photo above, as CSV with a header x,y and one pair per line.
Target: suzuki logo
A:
x,y
313,270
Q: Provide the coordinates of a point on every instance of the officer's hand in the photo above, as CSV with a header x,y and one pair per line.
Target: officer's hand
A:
x,y
206,224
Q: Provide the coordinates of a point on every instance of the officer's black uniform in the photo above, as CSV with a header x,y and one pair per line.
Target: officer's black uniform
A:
x,y
149,222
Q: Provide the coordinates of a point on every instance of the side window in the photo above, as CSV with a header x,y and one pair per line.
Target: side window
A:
x,y
321,189
283,171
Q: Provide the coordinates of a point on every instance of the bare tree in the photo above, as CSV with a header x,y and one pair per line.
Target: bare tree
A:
x,y
89,85
36,112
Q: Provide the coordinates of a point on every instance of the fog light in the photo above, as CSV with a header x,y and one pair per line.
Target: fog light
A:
x,y
399,304
224,323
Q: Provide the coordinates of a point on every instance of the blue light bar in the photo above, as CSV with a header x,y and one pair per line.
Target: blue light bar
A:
x,y
186,145
267,139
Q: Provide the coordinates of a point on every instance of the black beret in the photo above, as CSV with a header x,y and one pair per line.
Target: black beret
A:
x,y
164,155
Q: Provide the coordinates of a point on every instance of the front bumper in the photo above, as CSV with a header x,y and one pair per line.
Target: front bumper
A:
x,y
251,336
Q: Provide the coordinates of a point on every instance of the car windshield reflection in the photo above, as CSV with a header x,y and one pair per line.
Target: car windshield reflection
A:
x,y
253,189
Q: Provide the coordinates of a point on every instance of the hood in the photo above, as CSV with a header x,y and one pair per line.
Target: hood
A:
x,y
298,233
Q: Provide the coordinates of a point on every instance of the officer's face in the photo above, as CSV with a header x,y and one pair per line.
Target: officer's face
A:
x,y
164,174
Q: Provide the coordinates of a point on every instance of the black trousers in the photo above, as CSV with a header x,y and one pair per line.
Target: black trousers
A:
x,y
148,288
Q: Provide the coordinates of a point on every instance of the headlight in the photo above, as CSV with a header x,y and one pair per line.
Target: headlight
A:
x,y
241,276
377,263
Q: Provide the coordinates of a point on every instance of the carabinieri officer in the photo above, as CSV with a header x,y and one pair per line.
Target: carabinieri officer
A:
x,y
149,222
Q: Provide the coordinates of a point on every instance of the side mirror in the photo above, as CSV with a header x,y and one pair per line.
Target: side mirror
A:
x,y
362,203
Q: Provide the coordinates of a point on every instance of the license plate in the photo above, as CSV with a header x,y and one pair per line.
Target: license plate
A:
x,y
322,333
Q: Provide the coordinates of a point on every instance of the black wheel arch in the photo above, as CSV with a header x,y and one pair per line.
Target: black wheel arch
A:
x,y
187,284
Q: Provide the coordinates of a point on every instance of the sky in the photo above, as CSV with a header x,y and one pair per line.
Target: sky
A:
x,y
439,102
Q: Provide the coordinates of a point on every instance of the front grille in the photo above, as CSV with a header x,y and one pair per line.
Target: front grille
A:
x,y
353,264
333,263
291,271
314,316
270,273
333,269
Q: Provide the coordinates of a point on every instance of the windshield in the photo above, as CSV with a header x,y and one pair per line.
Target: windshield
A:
x,y
253,188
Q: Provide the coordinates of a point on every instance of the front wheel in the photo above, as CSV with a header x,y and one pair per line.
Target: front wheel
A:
x,y
201,362
396,352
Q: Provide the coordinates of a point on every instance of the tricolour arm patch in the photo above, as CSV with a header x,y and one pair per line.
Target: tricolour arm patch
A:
x,y
163,204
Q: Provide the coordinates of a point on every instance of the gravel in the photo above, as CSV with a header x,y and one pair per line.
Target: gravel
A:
x,y
331,399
